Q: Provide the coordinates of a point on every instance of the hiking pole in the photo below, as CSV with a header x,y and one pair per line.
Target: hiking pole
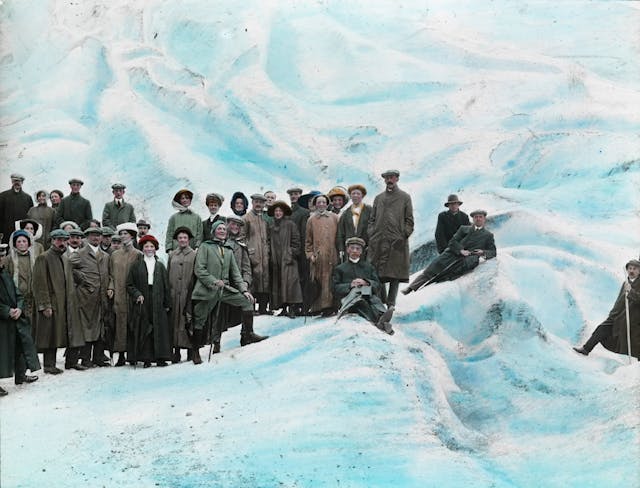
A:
x,y
438,275
626,309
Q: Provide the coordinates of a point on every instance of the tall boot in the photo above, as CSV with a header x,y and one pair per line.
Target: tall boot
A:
x,y
196,341
247,336
175,358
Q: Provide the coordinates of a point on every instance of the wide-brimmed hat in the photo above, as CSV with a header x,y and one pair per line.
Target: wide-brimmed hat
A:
x,y
149,238
357,186
452,199
176,197
340,191
143,223
214,196
184,229
69,222
315,197
279,204
304,200
391,172
355,240
130,227
478,212
633,262
21,224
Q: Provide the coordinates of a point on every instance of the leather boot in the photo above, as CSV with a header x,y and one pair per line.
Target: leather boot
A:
x,y
196,341
247,336
175,359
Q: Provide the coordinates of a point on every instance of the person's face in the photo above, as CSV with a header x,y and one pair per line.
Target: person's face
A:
x,y
633,271
22,243
59,243
67,227
391,181
213,207
93,224
184,200
42,198
233,228
115,245
258,205
106,241
238,205
118,193
356,196
321,204
16,184
271,197
143,230
354,251
149,249
75,187
479,220
125,237
278,213
183,240
29,228
221,232
454,207
55,198
337,201
75,241
94,239
294,196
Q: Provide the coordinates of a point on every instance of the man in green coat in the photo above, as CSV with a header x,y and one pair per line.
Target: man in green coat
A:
x,y
219,281
356,282
74,207
17,351
117,211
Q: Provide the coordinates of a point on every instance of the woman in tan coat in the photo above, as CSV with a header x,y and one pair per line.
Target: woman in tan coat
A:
x,y
320,249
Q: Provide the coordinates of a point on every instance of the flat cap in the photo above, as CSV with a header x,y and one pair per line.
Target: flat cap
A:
x,y
59,234
355,240
93,230
632,262
76,180
76,233
118,186
236,219
107,231
390,172
258,196
17,176
478,212
295,189
116,238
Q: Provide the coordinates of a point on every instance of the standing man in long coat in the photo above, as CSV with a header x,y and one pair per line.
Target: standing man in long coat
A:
x,y
612,333
320,249
14,205
43,214
119,265
90,267
300,215
354,220
117,211
462,255
256,235
390,226
285,248
184,217
449,222
17,351
219,281
181,281
74,207
54,295
148,288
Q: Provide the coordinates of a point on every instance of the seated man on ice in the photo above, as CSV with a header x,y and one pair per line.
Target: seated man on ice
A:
x,y
612,333
466,247
356,282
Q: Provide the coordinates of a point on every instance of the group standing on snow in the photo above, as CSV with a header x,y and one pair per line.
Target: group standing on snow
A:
x,y
91,286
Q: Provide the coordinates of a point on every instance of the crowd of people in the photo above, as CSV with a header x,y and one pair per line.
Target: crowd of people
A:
x,y
98,286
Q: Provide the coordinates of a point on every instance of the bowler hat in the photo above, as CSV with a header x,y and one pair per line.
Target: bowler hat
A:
x,y
143,223
452,199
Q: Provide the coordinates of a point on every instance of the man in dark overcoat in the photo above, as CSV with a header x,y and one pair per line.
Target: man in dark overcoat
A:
x,y
56,324
74,207
256,235
462,255
90,267
354,220
117,211
390,225
612,333
449,222
355,274
17,350
14,206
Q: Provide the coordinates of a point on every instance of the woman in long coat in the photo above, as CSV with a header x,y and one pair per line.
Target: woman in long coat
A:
x,y
184,217
181,281
43,214
19,263
148,288
320,249
285,248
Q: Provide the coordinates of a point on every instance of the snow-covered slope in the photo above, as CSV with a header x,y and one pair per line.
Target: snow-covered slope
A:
x,y
528,109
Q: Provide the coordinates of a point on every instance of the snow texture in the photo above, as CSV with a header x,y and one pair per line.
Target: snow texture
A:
x,y
528,109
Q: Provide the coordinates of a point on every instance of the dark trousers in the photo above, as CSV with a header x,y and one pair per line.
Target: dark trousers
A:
x,y
92,352
72,355
49,358
602,333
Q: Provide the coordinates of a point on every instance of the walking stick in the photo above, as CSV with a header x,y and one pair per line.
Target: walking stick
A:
x,y
447,268
626,307
215,320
